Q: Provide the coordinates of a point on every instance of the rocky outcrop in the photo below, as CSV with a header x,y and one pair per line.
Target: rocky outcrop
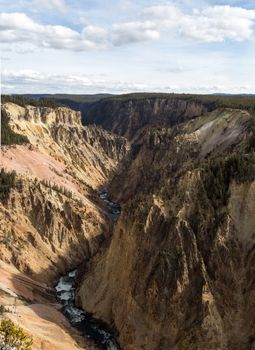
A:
x,y
45,232
129,117
178,273
45,115
51,218
66,148
30,305
56,204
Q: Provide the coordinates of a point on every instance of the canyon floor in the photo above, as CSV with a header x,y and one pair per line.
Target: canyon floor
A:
x,y
175,270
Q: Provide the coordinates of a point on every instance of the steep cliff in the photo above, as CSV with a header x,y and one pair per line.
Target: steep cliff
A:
x,y
61,147
129,117
178,273
53,213
45,232
51,218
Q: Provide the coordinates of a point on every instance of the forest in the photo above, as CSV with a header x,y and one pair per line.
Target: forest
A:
x,y
23,101
246,102
8,136
7,182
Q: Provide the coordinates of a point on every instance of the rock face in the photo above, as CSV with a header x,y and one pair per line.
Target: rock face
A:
x,y
31,305
179,272
130,117
52,219
88,154
44,232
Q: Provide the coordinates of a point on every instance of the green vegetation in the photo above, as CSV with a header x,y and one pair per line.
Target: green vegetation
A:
x,y
250,148
76,98
245,102
3,310
7,182
218,174
14,337
8,136
25,101
60,189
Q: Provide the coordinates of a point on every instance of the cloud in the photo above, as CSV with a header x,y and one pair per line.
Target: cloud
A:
x,y
173,69
60,5
96,34
131,32
211,24
22,81
18,27
27,81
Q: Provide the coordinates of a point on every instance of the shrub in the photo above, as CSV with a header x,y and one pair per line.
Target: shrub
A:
x,y
8,136
7,182
3,309
219,173
25,101
13,337
57,188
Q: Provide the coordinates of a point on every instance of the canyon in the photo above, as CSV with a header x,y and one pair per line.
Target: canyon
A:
x,y
175,270
53,219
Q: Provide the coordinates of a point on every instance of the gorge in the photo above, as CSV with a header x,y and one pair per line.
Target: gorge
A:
x,y
174,269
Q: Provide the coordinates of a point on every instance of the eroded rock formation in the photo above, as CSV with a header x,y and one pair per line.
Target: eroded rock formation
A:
x,y
179,271
176,273
51,219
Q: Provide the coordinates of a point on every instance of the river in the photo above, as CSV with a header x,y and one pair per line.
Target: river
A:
x,y
90,327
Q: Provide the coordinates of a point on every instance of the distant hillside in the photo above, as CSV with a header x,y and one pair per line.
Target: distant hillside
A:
x,y
24,100
76,102
114,112
128,115
76,98
246,102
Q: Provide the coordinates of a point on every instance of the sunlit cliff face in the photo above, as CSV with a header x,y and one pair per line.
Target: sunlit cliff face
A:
x,y
175,270
181,255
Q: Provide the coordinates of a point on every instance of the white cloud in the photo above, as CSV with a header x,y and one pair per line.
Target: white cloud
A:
x,y
27,81
163,14
22,81
96,34
212,24
60,5
125,33
18,27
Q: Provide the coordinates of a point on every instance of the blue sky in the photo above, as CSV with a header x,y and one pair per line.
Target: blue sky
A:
x,y
119,46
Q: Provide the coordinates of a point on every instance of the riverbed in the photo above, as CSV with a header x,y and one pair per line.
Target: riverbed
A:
x,y
91,328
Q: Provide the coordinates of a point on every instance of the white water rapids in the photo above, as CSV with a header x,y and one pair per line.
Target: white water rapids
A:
x,y
92,328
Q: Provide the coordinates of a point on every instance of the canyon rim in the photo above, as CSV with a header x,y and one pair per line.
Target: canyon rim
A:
x,y
127,175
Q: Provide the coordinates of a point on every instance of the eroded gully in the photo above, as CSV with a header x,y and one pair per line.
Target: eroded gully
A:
x,y
91,328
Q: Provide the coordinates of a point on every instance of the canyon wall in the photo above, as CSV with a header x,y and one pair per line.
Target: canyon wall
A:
x,y
129,116
52,216
178,273
176,270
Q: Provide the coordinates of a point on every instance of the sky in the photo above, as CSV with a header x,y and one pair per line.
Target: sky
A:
x,y
121,46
